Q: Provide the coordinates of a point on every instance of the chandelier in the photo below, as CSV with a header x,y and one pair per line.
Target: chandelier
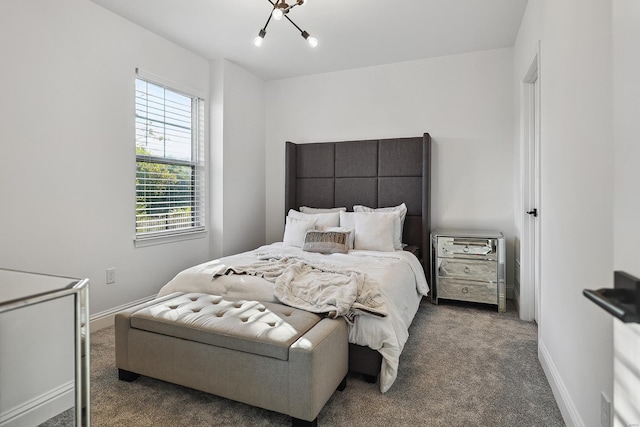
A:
x,y
279,11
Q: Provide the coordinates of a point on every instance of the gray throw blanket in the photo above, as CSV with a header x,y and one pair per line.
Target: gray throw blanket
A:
x,y
317,288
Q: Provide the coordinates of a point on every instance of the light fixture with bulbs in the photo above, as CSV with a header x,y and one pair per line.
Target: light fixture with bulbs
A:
x,y
279,11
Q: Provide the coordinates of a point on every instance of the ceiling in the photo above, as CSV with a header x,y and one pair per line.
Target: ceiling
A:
x,y
351,33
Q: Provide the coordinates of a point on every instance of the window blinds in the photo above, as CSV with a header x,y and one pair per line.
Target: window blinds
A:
x,y
169,161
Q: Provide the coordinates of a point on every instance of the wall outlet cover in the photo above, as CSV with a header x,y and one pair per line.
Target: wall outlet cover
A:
x,y
111,275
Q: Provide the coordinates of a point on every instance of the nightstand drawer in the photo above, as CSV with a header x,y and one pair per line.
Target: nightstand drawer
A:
x,y
486,271
465,290
467,247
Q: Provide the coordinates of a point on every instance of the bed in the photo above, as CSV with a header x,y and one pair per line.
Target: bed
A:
x,y
384,176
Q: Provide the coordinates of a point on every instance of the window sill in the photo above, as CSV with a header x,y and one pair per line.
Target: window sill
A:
x,y
161,240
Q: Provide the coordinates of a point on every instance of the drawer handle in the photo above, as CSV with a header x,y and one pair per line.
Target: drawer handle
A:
x,y
467,270
465,249
465,290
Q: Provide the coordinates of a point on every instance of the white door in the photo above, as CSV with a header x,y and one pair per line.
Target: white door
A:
x,y
530,245
626,228
626,388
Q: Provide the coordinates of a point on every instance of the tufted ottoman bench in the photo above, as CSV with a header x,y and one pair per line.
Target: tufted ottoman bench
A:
x,y
264,354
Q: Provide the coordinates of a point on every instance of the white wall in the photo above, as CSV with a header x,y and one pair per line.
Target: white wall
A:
x,y
575,342
463,101
68,154
626,230
237,159
67,146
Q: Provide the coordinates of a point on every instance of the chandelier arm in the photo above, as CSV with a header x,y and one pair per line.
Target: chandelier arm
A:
x,y
294,5
266,23
294,24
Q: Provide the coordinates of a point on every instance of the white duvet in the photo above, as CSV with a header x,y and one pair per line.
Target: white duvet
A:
x,y
399,274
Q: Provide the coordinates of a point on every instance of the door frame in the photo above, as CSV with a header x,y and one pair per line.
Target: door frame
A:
x,y
530,289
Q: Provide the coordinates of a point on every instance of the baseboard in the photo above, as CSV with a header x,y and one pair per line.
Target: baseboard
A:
x,y
516,284
510,292
563,399
41,408
516,299
104,319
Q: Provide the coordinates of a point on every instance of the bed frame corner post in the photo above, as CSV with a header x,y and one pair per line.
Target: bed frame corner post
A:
x,y
290,177
426,206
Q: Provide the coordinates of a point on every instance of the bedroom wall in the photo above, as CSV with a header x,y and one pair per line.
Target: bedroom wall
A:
x,y
237,142
463,101
67,150
575,339
67,120
68,168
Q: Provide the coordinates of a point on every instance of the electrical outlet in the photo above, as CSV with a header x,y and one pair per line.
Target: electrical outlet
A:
x,y
605,410
111,275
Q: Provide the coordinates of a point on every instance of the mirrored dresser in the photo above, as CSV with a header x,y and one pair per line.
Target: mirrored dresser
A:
x,y
44,348
469,265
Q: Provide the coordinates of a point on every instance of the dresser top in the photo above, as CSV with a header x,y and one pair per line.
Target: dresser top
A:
x,y
456,232
18,288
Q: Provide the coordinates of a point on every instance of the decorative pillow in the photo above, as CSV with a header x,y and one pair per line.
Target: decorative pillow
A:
x,y
295,230
326,242
323,220
350,231
402,212
306,209
375,231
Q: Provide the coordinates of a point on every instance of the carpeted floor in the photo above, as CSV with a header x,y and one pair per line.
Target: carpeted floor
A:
x,y
464,365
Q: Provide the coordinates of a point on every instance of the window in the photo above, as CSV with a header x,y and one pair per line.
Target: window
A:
x,y
169,161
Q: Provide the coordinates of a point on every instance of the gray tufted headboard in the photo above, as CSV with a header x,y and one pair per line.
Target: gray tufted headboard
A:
x,y
375,173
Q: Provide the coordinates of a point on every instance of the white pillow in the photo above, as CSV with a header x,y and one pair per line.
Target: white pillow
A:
x,y
306,209
401,210
295,230
347,220
323,220
375,231
350,238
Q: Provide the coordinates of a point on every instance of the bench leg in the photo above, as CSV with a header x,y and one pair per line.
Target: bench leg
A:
x,y
343,384
127,376
297,422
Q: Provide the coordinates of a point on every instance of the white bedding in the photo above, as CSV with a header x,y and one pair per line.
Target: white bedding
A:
x,y
399,274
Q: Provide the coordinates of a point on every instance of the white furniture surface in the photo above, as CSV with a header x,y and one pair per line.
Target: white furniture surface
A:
x,y
469,265
44,347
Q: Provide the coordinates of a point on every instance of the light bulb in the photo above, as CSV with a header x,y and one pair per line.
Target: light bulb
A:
x,y
259,38
313,42
277,14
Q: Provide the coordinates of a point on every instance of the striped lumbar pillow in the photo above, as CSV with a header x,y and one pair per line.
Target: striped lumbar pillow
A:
x,y
326,242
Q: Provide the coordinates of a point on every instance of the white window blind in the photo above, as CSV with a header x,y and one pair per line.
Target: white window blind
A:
x,y
170,173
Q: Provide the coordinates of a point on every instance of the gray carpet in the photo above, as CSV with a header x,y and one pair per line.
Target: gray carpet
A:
x,y
464,365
